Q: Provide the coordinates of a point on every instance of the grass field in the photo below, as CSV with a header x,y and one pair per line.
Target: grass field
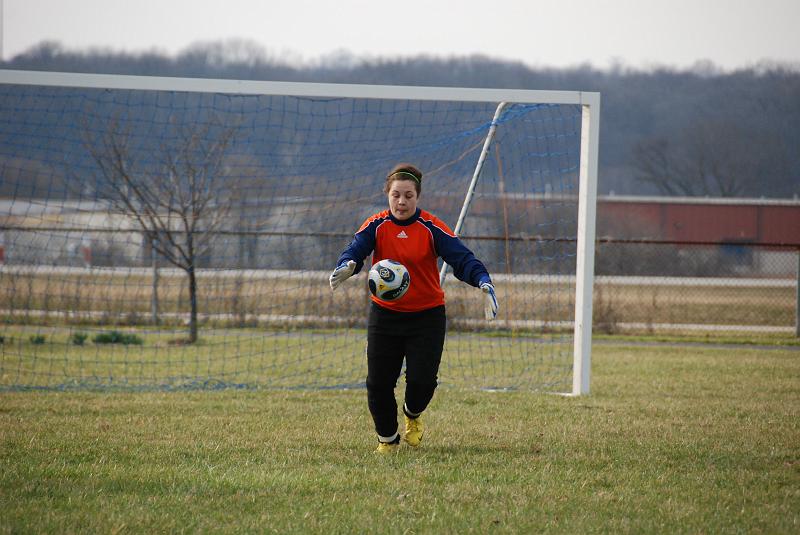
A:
x,y
673,439
46,357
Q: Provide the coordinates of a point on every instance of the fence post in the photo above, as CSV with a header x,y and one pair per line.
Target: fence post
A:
x,y
154,295
797,298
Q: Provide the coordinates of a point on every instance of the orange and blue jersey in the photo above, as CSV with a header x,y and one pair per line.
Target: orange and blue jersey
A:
x,y
417,243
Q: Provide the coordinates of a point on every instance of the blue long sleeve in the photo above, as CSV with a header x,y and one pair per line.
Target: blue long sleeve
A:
x,y
359,249
465,266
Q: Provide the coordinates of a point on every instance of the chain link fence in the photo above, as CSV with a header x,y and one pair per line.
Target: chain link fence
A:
x,y
647,287
680,287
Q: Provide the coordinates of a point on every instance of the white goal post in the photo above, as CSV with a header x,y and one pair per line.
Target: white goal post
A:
x,y
586,171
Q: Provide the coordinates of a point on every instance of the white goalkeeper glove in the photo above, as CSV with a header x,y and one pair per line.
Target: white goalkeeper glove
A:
x,y
490,306
342,272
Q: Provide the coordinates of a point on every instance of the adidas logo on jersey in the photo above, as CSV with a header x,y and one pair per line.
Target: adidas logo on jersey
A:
x,y
402,234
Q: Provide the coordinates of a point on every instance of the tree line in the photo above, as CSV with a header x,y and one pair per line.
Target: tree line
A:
x,y
664,131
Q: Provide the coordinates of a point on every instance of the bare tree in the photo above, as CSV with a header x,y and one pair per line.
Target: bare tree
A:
x,y
178,198
709,159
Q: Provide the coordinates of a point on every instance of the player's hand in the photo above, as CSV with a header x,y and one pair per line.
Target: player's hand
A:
x,y
490,306
342,272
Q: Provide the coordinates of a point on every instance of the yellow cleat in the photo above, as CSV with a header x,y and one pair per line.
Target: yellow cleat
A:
x,y
414,431
387,447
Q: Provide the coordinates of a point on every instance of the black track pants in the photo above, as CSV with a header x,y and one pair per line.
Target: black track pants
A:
x,y
392,336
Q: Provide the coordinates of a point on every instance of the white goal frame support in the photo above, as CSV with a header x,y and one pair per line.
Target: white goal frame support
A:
x,y
475,175
584,271
590,129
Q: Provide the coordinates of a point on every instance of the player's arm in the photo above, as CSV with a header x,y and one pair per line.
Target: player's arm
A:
x,y
468,269
465,266
352,258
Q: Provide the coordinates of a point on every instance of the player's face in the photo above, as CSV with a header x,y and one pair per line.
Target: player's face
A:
x,y
402,199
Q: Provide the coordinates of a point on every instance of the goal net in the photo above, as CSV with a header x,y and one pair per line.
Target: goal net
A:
x,y
165,233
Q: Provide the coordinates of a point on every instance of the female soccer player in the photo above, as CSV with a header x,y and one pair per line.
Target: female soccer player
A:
x,y
412,327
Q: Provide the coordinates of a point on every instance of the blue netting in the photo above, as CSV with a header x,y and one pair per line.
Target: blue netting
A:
x,y
276,186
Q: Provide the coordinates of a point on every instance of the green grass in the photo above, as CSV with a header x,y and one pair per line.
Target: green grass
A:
x,y
672,440
260,358
709,339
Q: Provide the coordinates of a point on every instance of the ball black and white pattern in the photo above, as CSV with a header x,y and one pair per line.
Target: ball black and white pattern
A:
x,y
389,280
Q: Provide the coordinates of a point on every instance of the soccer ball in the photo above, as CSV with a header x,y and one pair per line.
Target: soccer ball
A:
x,y
388,280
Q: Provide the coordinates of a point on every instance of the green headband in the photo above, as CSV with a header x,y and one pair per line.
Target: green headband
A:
x,y
412,175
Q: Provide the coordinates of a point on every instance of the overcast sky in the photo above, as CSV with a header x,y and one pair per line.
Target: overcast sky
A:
x,y
636,33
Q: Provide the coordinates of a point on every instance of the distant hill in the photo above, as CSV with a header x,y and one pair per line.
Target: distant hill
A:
x,y
664,131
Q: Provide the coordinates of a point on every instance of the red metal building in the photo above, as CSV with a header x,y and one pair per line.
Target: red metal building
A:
x,y
700,220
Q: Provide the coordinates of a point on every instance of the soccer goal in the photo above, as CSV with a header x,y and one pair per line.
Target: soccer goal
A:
x,y
178,233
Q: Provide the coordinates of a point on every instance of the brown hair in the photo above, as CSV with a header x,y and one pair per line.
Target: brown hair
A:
x,y
404,171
